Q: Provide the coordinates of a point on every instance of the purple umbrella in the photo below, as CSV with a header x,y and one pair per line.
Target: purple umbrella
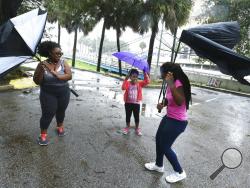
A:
x,y
133,60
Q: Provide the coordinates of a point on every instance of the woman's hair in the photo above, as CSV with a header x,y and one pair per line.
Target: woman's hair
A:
x,y
46,47
134,71
178,75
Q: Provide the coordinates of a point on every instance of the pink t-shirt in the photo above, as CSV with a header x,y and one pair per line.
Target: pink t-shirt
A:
x,y
173,110
132,94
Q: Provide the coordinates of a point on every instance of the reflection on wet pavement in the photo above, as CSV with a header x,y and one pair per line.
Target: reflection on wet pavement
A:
x,y
95,154
111,88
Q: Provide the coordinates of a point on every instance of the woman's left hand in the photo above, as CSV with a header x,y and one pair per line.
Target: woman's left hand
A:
x,y
169,78
54,73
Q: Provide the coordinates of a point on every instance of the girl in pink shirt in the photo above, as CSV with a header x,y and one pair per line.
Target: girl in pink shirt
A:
x,y
178,96
133,97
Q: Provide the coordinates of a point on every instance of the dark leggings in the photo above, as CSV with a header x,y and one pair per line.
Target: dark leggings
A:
x,y
135,108
169,129
53,103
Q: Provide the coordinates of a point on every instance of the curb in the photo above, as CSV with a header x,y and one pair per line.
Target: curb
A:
x,y
223,90
6,87
210,88
11,87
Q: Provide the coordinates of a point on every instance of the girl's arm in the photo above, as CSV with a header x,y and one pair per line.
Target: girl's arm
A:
x,y
146,80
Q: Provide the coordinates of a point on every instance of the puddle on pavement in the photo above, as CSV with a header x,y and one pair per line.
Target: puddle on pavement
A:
x,y
111,88
108,87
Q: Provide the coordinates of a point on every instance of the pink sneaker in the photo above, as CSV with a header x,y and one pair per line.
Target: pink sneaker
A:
x,y
125,131
138,131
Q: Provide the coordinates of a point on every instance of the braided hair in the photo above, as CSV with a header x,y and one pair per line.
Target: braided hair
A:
x,y
45,48
178,75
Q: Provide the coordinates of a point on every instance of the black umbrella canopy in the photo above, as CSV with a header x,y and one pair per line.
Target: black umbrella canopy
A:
x,y
224,33
19,38
214,44
11,43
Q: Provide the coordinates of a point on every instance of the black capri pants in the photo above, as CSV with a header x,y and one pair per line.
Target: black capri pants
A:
x,y
54,102
132,108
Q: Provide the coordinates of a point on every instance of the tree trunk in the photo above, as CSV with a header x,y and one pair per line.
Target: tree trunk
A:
x,y
151,44
118,34
98,68
173,47
74,49
59,33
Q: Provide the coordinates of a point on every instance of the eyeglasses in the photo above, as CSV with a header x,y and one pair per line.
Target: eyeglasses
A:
x,y
58,53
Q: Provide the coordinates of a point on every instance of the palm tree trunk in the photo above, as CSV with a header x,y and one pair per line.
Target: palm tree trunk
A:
x,y
98,68
74,49
59,33
151,44
173,47
118,34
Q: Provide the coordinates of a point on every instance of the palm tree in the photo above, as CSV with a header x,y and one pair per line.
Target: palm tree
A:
x,y
115,14
174,14
182,10
100,10
53,14
73,15
121,19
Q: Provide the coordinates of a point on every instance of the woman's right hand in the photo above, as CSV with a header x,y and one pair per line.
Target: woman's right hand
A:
x,y
159,106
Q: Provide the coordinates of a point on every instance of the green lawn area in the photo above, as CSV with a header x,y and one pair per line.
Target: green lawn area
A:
x,y
18,73
83,66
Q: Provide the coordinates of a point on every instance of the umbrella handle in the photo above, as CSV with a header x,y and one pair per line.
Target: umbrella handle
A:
x,y
38,58
74,92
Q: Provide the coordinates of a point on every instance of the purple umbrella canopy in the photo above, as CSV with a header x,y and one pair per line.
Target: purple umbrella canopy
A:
x,y
133,60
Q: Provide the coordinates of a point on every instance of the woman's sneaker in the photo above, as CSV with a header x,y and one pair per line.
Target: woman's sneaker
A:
x,y
138,131
60,131
125,131
153,167
175,177
43,140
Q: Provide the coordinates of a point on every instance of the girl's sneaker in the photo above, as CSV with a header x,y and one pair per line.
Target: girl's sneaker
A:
x,y
125,131
138,131
43,140
60,131
176,176
153,167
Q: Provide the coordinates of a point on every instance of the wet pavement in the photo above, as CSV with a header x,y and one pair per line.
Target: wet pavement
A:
x,y
94,153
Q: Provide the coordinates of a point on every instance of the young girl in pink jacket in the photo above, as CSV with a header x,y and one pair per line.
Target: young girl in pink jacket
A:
x,y
133,97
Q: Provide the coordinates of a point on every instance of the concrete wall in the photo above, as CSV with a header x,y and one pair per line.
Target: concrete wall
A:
x,y
217,82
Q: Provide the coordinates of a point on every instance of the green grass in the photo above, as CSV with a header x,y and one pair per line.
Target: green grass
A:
x,y
83,66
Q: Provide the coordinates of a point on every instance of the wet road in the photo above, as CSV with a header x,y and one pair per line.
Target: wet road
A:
x,y
94,153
